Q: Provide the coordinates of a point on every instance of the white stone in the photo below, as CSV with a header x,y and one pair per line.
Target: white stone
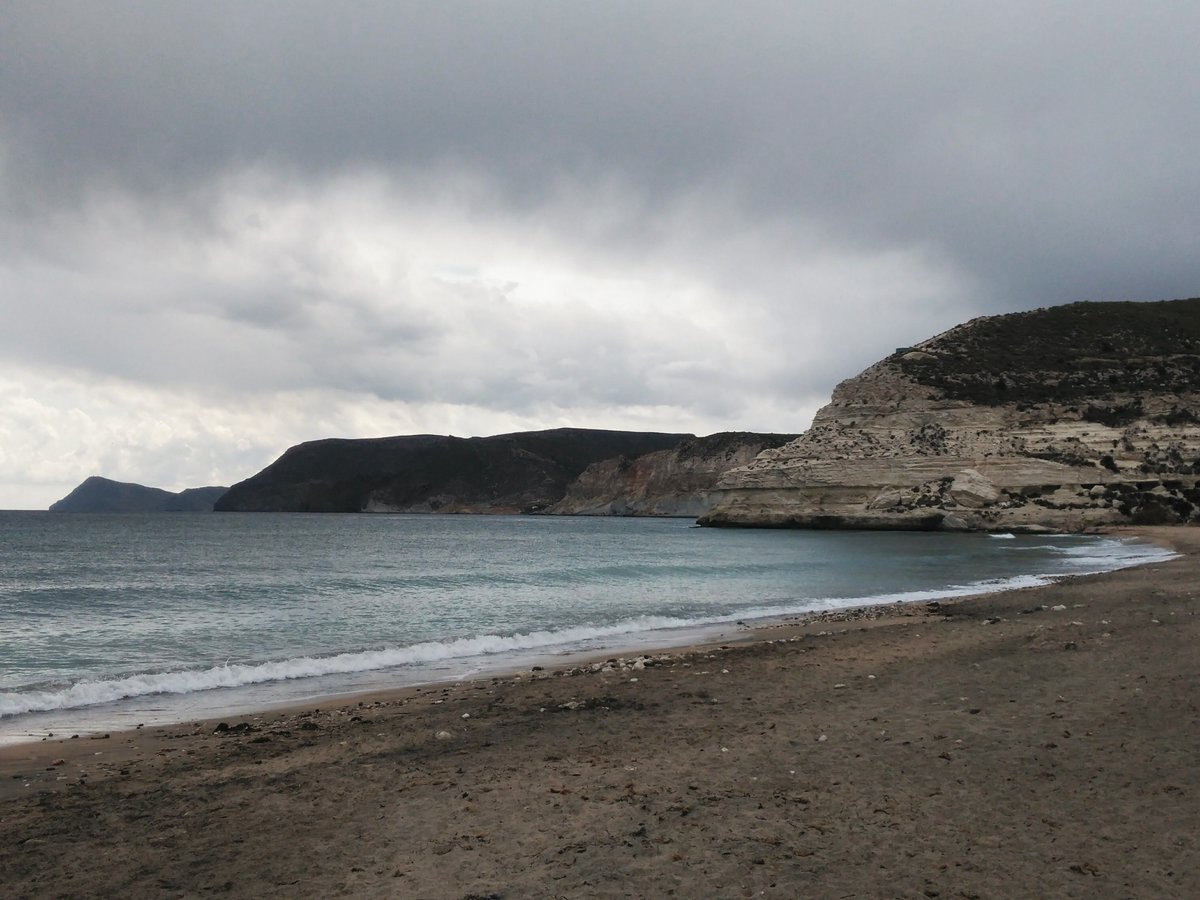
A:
x,y
886,499
973,490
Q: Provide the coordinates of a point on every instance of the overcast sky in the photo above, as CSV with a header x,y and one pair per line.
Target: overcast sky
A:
x,y
229,227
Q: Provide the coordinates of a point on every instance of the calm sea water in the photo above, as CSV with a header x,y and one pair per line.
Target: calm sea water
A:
x,y
108,620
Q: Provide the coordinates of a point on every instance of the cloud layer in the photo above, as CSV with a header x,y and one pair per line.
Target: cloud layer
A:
x,y
225,228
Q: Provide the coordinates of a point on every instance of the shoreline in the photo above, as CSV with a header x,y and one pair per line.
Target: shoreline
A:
x,y
1038,741
280,695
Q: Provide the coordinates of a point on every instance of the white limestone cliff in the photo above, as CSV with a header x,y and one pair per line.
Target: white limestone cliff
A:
x,y
1062,419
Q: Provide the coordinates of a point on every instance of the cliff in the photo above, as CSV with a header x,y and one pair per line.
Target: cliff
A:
x,y
681,481
98,494
509,473
1062,418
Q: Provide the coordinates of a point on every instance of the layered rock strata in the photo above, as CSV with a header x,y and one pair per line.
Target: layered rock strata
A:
x,y
1062,418
681,481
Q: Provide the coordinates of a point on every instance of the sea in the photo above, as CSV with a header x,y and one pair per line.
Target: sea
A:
x,y
108,622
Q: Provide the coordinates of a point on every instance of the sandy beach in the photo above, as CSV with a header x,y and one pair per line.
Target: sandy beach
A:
x,y
1034,743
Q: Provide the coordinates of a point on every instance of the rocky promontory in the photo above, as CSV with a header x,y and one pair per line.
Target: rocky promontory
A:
x,y
96,495
1063,418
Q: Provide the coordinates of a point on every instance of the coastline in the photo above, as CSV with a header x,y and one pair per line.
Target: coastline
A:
x,y
153,697
963,747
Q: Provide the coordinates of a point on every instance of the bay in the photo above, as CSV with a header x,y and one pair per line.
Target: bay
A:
x,y
107,619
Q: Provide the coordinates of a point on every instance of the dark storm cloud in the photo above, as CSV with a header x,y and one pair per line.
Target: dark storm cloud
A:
x,y
1046,146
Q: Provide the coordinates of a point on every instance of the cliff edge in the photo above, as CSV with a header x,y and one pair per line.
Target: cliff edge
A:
x,y
1057,419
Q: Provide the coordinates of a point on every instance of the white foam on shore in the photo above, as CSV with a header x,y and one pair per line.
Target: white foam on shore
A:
x,y
1085,559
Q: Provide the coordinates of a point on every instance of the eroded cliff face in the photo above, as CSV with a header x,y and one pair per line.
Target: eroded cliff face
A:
x,y
681,481
1062,419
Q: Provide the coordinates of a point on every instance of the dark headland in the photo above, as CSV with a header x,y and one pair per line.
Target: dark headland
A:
x,y
103,495
562,471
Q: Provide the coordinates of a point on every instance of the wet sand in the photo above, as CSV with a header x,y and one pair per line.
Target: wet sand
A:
x,y
1034,743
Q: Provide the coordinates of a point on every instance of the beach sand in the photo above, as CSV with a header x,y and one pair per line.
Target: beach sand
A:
x,y
1034,743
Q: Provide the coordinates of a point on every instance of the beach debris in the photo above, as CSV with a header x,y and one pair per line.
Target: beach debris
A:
x,y
822,739
993,620
466,715
1059,607
444,735
59,762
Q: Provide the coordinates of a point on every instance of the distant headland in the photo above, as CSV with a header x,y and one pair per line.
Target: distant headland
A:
x,y
103,495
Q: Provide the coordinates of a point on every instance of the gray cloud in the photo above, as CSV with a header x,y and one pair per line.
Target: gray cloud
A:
x,y
666,215
1022,138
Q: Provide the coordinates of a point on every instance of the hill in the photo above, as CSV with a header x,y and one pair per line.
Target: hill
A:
x,y
508,473
1062,418
98,494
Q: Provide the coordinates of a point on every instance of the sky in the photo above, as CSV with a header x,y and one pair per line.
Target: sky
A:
x,y
228,227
